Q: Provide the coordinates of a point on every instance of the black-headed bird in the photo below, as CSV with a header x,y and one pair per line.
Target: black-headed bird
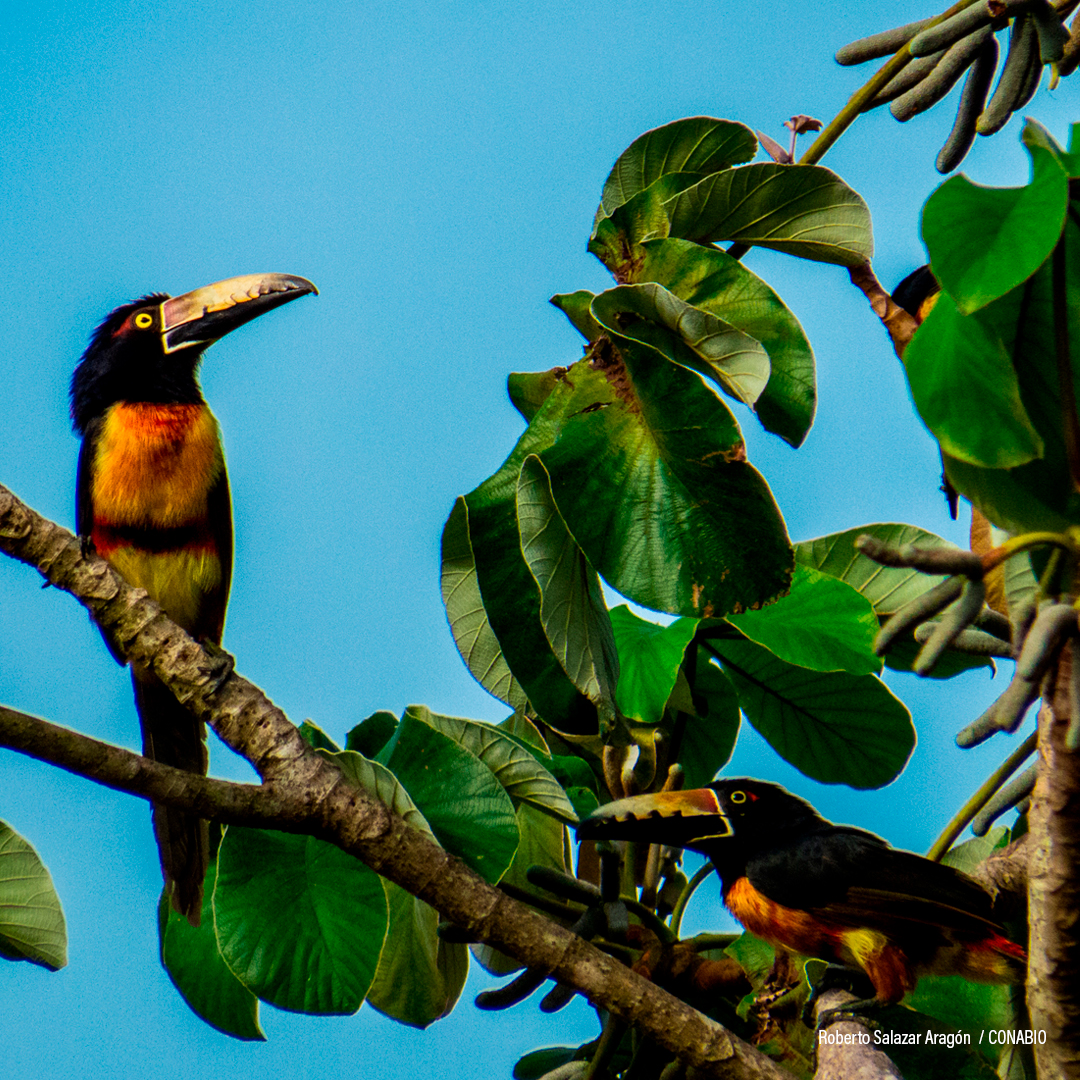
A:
x,y
152,497
830,891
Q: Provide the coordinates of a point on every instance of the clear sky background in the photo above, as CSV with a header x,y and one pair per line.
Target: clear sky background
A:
x,y
434,168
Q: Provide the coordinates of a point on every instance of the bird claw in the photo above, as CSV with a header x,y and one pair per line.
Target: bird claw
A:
x,y
838,977
222,665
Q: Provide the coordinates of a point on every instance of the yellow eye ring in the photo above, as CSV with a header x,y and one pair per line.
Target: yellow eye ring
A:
x,y
144,320
738,797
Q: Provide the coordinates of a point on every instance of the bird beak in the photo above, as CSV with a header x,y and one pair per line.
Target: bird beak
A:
x,y
676,818
209,313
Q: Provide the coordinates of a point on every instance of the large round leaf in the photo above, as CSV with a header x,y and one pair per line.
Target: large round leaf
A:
x,y
300,923
193,961
650,657
697,144
420,976
520,773
459,797
715,282
887,588
822,624
803,210
984,242
544,843
965,387
508,592
32,927
834,727
649,474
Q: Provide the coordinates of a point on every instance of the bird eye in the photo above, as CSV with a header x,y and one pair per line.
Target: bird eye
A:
x,y
738,797
144,320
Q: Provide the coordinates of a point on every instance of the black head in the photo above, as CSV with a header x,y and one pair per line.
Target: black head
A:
x,y
126,361
148,350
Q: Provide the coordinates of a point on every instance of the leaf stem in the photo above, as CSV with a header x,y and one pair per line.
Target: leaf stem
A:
x,y
684,897
981,797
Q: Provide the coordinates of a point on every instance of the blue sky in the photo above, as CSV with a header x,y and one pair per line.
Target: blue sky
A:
x,y
434,168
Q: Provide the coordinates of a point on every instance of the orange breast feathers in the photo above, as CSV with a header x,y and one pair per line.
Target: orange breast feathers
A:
x,y
802,932
154,466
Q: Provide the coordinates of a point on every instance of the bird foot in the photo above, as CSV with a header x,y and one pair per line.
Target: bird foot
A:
x,y
849,1010
223,664
838,977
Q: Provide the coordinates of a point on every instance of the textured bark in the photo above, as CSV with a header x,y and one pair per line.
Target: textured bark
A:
x,y
1005,876
1054,887
302,792
855,1060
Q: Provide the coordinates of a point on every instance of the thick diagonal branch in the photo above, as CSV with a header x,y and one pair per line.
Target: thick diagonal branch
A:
x,y
312,796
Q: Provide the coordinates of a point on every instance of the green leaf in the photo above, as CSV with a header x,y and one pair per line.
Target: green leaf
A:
x,y
887,588
697,144
649,474
1031,498
735,361
708,741
802,210
314,736
650,657
518,726
572,608
536,1064
521,775
984,242
460,798
509,594
1040,494
473,635
197,969
822,624
715,282
300,923
616,239
833,727
971,853
33,926
575,306
372,734
965,387
419,977
965,1006
529,390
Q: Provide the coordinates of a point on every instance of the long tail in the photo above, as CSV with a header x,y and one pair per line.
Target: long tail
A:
x,y
173,736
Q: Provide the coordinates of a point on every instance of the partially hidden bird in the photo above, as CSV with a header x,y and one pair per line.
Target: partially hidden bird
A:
x,y
152,497
828,891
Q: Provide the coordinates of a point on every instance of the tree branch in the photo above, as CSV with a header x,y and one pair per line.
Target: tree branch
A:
x,y
312,796
845,1050
1054,886
896,320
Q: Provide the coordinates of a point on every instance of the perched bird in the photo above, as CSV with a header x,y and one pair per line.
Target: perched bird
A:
x,y
152,497
828,891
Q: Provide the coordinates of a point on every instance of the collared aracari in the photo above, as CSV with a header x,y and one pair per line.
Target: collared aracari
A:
x,y
152,497
829,891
